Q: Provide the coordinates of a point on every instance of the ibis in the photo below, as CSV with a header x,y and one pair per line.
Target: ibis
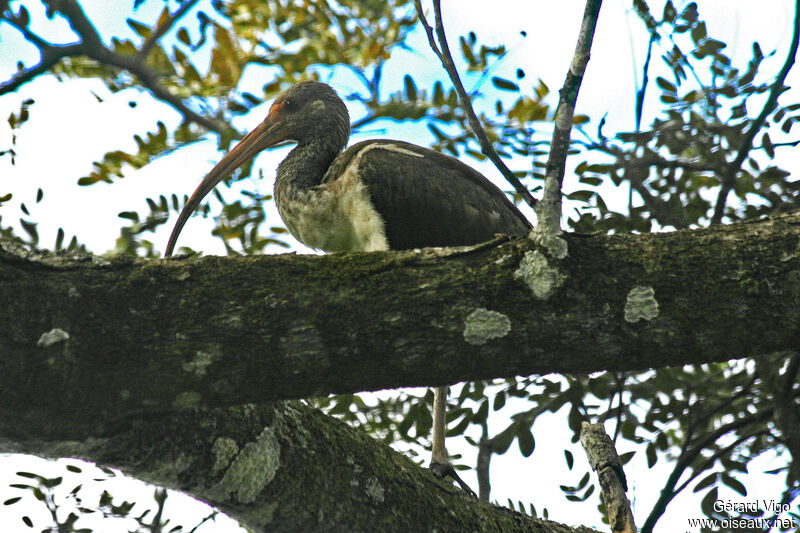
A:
x,y
375,195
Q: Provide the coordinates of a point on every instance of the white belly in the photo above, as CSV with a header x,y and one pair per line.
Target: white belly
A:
x,y
336,217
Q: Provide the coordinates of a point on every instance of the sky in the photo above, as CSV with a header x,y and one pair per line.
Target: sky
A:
x,y
69,129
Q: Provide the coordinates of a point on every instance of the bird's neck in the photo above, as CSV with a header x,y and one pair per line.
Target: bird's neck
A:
x,y
304,167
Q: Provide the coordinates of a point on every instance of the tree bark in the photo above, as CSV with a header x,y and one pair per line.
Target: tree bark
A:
x,y
283,467
87,340
134,363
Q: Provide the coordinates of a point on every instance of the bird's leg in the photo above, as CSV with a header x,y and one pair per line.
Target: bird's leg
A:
x,y
440,464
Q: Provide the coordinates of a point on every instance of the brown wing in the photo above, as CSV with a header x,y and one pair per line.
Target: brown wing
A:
x,y
429,199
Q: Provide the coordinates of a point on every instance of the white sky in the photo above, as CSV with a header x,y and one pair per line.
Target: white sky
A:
x,y
69,129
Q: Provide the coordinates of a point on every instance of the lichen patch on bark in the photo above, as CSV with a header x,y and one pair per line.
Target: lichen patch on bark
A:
x,y
542,278
52,337
641,304
482,325
252,469
202,359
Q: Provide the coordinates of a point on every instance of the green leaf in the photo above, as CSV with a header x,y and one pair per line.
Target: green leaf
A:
x,y
707,481
707,503
666,85
581,196
142,29
504,84
650,452
526,441
734,483
12,501
183,36
570,459
410,88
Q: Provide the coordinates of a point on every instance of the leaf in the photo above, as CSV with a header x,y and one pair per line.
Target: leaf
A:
x,y
707,481
504,84
699,32
650,452
734,483
142,29
27,521
581,196
669,12
163,18
12,501
410,88
183,36
666,85
570,459
526,441
129,215
707,503
626,457
30,229
59,244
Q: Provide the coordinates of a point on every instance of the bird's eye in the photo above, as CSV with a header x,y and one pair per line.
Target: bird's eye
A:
x,y
290,104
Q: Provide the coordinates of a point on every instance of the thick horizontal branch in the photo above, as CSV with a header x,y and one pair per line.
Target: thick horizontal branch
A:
x,y
286,467
86,339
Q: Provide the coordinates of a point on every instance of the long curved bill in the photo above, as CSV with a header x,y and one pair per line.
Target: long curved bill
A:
x,y
266,134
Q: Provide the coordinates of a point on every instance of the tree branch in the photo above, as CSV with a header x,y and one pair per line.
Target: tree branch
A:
x,y
548,212
259,463
81,347
92,47
729,179
604,460
689,454
466,103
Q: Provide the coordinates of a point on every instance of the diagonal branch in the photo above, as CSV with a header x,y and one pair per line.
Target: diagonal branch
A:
x,y
548,213
690,454
447,62
91,46
729,179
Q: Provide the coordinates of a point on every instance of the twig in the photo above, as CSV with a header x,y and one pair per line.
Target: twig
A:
x,y
548,213
729,179
482,464
466,103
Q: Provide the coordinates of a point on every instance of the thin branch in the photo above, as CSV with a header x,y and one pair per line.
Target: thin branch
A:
x,y
786,414
447,62
688,456
92,47
604,460
708,463
164,27
483,462
729,179
548,213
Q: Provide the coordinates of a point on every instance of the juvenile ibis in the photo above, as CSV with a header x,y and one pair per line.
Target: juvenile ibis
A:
x,y
376,195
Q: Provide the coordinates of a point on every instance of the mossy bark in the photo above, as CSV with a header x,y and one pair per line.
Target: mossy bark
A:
x,y
86,340
136,363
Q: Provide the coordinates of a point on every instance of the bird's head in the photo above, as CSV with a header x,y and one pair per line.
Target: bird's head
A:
x,y
307,111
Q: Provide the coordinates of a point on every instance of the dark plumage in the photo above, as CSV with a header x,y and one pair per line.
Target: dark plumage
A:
x,y
378,194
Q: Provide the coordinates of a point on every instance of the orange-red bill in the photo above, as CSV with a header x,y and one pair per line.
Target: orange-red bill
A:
x,y
266,134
